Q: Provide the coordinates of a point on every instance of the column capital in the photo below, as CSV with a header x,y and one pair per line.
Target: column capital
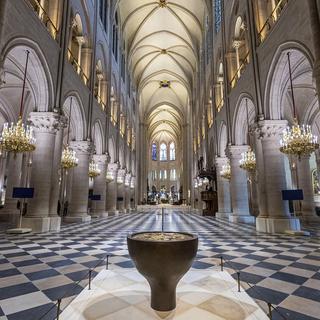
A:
x,y
113,167
100,159
271,129
48,122
234,152
82,147
122,172
220,161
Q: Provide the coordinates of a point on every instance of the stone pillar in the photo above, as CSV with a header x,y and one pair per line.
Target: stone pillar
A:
x,y
239,187
45,126
55,220
305,183
100,185
14,166
223,186
78,208
111,197
127,193
277,217
121,190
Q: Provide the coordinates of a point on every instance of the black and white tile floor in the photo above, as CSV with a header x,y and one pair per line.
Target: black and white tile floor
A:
x,y
38,269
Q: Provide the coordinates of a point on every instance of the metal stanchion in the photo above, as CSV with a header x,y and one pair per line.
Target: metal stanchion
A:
x,y
221,263
107,264
162,225
270,310
58,308
238,276
90,274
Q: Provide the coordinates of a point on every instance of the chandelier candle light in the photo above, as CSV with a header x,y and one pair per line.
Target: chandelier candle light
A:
x,y
248,159
226,171
18,138
68,158
297,140
94,170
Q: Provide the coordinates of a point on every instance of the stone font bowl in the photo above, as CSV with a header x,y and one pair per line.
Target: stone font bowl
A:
x,y
163,259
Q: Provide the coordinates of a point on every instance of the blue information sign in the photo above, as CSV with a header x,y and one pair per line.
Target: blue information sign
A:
x,y
292,195
22,193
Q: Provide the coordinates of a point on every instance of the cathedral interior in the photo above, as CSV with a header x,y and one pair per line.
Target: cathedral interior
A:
x,y
179,117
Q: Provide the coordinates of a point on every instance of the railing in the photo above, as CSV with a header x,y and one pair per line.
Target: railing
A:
x,y
220,105
100,101
271,308
271,20
239,72
77,68
54,311
44,17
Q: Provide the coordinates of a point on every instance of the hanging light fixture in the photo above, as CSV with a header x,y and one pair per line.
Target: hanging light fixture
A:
x,y
248,159
297,140
226,171
17,137
94,170
68,158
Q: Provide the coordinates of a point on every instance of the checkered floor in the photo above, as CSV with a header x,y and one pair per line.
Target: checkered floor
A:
x,y
38,269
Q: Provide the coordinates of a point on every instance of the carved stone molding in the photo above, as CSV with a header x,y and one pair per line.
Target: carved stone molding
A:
x,y
113,167
82,147
46,122
234,152
271,129
100,159
221,161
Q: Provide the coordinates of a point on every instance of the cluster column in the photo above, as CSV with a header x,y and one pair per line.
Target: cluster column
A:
x,y
223,186
276,218
100,185
45,126
111,197
13,172
78,211
127,192
239,187
305,183
121,190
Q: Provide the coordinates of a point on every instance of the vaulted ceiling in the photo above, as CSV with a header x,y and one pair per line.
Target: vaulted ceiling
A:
x,y
163,39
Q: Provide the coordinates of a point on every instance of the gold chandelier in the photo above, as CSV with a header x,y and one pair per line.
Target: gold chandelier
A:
x,y
18,138
248,158
299,139
248,161
68,159
226,171
94,170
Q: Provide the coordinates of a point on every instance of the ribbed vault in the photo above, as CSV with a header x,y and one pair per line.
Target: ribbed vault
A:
x,y
163,40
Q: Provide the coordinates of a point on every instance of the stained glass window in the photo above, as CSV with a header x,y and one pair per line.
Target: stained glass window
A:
x,y
172,151
154,152
163,152
218,14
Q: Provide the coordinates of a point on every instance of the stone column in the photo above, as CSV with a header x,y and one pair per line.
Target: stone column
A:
x,y
55,220
127,193
111,197
45,126
121,190
14,166
305,183
78,207
223,186
100,185
239,187
276,218
80,40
